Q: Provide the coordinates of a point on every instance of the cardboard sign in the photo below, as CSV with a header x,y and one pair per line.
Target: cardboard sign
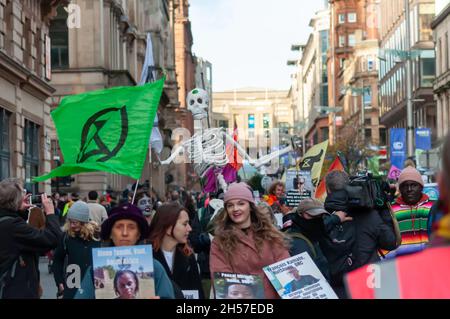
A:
x,y
294,197
299,278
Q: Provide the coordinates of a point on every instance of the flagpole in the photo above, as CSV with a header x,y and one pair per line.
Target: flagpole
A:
x,y
150,171
135,191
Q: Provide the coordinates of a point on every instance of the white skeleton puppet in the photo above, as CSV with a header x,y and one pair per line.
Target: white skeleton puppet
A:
x,y
207,147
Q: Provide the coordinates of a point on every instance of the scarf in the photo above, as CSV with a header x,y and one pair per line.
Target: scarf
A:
x,y
313,229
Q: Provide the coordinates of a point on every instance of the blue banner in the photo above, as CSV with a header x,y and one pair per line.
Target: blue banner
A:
x,y
398,147
423,139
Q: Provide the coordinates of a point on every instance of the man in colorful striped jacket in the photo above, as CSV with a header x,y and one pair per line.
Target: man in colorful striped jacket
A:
x,y
411,210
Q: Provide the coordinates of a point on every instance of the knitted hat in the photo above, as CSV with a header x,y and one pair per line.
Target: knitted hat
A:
x,y
239,191
125,211
312,207
79,211
410,174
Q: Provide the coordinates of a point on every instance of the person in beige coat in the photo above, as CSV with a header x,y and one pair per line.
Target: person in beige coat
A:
x,y
245,239
97,213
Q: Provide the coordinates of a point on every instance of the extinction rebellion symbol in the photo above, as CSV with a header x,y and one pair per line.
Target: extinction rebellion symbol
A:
x,y
92,133
308,162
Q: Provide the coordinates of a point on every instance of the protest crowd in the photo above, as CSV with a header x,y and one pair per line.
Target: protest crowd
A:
x,y
308,236
194,240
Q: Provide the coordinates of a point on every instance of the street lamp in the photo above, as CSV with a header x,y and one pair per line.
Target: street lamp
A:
x,y
334,110
409,110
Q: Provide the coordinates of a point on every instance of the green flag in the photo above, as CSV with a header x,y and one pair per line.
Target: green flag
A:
x,y
106,130
374,165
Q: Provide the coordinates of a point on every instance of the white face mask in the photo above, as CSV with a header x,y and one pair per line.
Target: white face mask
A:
x,y
145,204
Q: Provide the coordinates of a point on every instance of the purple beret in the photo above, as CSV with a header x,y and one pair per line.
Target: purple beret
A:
x,y
125,211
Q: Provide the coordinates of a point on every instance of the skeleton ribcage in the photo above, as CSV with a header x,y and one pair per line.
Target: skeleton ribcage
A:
x,y
207,149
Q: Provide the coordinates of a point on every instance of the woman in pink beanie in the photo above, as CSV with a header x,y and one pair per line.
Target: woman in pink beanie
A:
x,y
245,239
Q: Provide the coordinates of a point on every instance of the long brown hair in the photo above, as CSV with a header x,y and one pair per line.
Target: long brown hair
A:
x,y
226,232
166,216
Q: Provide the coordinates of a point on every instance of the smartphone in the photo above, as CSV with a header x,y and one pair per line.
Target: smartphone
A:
x,y
35,200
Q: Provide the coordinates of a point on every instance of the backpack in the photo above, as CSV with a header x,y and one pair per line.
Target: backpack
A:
x,y
307,241
341,251
316,253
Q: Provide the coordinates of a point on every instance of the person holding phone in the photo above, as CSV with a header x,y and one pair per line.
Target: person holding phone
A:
x,y
20,243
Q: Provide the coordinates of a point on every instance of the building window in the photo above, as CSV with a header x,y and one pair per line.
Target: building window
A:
x,y
283,127
251,121
370,63
324,132
367,96
324,41
223,123
27,58
59,35
352,17
368,134
324,69
54,147
426,16
324,94
39,52
427,68
351,40
341,18
8,27
342,41
5,153
31,155
446,52
440,61
266,120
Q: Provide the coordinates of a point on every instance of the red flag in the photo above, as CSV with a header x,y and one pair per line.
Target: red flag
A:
x,y
321,191
232,152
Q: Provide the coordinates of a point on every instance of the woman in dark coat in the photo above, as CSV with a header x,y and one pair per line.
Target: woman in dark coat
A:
x,y
20,243
80,237
169,232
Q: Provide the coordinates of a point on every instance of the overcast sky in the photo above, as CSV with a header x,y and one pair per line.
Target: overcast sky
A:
x,y
248,41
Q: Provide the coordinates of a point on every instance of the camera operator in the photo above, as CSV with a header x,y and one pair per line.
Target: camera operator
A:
x,y
20,243
354,234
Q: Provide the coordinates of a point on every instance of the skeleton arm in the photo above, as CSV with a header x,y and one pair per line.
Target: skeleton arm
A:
x,y
173,156
241,151
261,161
267,158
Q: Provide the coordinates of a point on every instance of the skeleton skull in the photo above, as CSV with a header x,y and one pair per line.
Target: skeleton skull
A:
x,y
198,103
